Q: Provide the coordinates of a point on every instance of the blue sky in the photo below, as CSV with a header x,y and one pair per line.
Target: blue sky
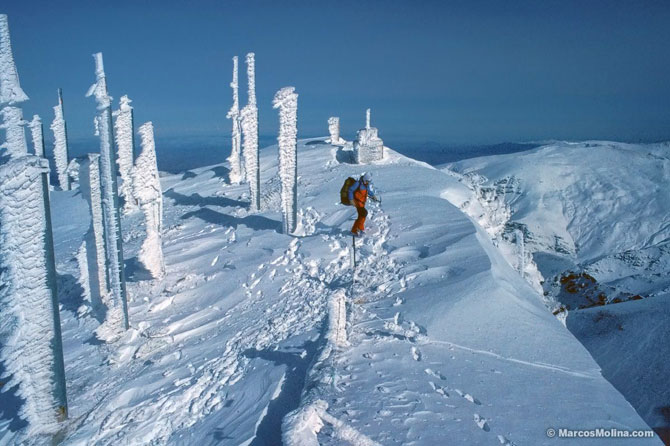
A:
x,y
449,71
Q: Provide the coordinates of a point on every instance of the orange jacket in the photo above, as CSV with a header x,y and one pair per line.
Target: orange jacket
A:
x,y
360,197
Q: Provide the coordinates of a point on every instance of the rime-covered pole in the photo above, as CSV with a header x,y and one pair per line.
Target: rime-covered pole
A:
x,y
110,196
61,154
37,133
15,135
249,117
10,87
235,159
31,348
147,191
93,264
286,100
125,142
10,95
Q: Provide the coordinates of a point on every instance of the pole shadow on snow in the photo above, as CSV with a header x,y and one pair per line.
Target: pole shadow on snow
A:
x,y
268,432
255,222
198,200
344,156
70,293
10,403
316,142
221,172
187,175
135,271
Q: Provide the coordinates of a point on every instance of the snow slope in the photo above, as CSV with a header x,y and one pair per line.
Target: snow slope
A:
x,y
595,208
444,343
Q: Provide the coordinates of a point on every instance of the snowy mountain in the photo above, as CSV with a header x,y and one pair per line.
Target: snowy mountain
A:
x,y
256,337
589,225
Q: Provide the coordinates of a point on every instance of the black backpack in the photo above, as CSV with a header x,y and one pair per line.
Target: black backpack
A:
x,y
344,192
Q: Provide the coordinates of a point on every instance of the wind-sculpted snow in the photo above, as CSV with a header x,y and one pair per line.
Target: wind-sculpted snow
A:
x,y
125,144
594,210
438,341
31,349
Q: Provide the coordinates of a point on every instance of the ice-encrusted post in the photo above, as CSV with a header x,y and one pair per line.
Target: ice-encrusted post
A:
x,y
286,100
125,143
61,154
334,129
110,195
94,270
11,94
37,133
147,191
31,349
235,159
249,116
15,135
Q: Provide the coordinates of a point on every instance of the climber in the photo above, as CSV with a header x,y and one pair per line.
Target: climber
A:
x,y
359,191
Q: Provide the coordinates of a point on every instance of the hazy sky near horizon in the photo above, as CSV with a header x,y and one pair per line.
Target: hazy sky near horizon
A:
x,y
447,71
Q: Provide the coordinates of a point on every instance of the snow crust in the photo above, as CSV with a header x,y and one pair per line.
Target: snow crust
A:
x,y
15,136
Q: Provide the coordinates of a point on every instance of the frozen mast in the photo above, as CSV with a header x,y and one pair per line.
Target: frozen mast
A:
x,y
31,350
125,141
110,196
61,155
148,193
250,133
286,100
236,169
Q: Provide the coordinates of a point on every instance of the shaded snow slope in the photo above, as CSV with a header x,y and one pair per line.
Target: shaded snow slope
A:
x,y
445,343
596,214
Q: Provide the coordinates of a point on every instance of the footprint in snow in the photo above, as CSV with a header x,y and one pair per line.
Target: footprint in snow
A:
x,y
416,353
504,441
481,422
435,374
439,389
468,397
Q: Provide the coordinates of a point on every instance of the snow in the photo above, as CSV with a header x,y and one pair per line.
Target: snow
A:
x,y
110,196
10,88
58,127
286,100
441,341
235,160
125,143
594,207
249,122
147,192
37,135
31,350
